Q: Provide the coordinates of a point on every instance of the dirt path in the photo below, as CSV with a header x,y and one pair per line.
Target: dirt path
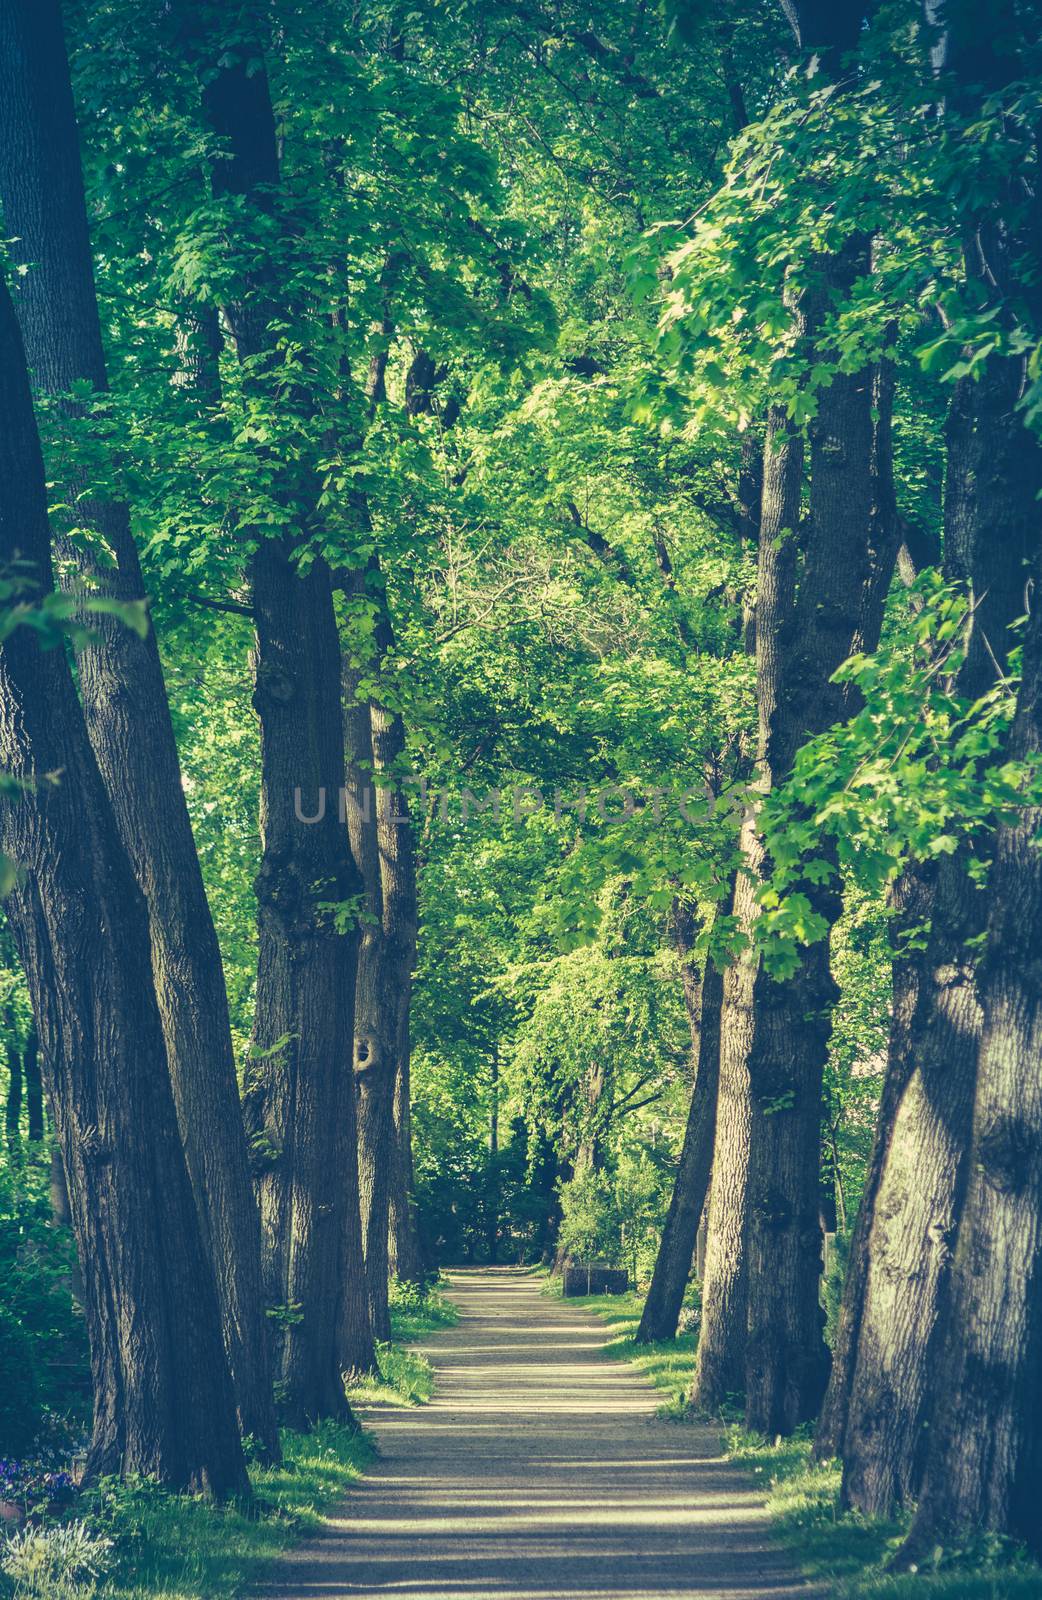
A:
x,y
540,1470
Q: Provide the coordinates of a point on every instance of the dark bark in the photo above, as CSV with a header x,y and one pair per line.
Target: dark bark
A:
x,y
58,1192
398,911
300,1101
405,1253
299,1096
914,1217
13,1102
898,1304
835,608
383,846
817,613
984,1465
163,1395
124,695
784,1341
691,1184
912,907
994,475
375,1023
720,1360
980,1443
199,344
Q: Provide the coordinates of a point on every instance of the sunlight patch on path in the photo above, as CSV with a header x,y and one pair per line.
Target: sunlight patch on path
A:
x,y
540,1471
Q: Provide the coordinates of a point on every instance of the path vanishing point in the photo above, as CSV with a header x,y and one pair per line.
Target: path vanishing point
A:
x,y
540,1469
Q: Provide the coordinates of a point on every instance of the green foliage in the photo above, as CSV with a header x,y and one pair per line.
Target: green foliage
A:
x,y
186,1548
417,1309
590,1229
20,1409
849,1552
553,519
915,771
43,1347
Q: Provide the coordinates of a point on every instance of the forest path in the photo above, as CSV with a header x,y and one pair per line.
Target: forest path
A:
x,y
540,1471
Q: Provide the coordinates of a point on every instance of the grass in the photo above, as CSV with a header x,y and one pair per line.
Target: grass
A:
x,y
178,1547
850,1551
415,1312
183,1548
406,1376
844,1552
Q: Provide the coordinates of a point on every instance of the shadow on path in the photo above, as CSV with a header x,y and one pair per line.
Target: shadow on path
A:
x,y
540,1471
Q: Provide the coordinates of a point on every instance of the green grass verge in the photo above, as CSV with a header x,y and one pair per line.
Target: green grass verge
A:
x,y
406,1376
178,1547
183,1548
849,1551
842,1551
415,1313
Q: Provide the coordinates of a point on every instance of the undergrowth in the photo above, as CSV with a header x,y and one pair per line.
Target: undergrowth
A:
x,y
180,1547
184,1548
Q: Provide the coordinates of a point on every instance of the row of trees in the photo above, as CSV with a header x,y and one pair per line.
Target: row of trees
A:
x,y
934,1375
440,446
201,1312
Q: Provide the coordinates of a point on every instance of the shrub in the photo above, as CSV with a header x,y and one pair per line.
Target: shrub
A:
x,y
63,1562
40,1485
590,1225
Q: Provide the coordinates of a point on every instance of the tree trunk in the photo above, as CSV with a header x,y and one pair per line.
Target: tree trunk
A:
x,y
124,695
914,1219
912,905
384,850
835,608
814,618
720,1357
984,1455
691,1184
994,474
375,1027
785,1051
300,1095
398,891
492,1226
405,1256
300,1102
163,1395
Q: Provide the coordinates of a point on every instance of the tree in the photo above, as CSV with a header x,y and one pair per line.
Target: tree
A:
x,y
122,687
879,1410
983,1465
163,1400
300,1094
691,1184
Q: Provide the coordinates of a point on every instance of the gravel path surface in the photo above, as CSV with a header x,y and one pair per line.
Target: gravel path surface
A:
x,y
540,1470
